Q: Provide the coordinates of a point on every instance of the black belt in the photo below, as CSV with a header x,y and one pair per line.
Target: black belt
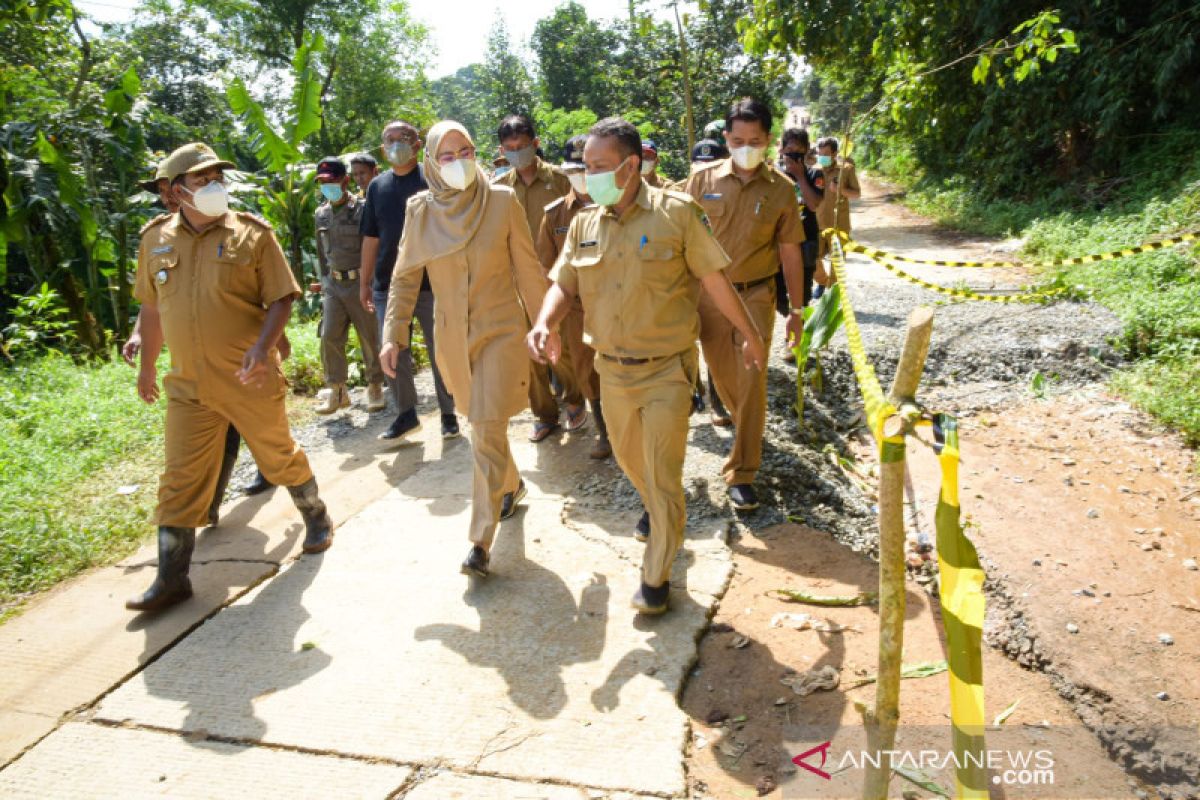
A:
x,y
348,275
742,287
630,361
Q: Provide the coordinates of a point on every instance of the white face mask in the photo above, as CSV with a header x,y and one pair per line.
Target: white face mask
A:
x,y
459,174
578,182
747,157
211,200
648,166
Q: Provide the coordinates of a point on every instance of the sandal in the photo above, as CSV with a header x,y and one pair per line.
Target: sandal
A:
x,y
578,419
542,429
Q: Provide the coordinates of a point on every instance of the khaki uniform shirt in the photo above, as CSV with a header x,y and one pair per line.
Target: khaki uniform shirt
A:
x,y
843,171
553,233
550,184
637,274
750,218
339,244
653,179
212,290
479,320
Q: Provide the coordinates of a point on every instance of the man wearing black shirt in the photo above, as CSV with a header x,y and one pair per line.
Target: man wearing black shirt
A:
x,y
382,226
793,148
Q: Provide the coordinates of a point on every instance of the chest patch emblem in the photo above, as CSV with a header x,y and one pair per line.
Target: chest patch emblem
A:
x,y
161,276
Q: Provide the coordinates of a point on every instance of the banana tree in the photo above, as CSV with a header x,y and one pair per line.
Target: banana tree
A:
x,y
821,321
286,195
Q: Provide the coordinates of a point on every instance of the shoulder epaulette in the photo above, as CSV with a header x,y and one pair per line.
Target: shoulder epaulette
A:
x,y
696,168
555,203
678,194
255,218
161,218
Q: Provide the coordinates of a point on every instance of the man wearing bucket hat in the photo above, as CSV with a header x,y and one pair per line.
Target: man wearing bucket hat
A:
x,y
339,258
215,287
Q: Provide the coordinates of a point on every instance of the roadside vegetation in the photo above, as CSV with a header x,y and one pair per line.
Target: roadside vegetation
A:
x,y
1155,294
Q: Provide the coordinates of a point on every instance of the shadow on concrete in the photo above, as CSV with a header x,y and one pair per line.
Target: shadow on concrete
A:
x,y
530,626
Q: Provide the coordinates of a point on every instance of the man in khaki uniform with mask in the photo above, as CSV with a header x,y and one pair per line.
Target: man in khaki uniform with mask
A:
x,y
339,258
637,259
757,221
577,357
537,184
215,286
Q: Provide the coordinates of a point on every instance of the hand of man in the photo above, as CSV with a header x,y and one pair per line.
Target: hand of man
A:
x,y
285,347
794,328
131,349
754,354
364,297
543,344
389,358
254,366
147,384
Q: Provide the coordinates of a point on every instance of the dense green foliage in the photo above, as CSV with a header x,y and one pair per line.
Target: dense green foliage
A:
x,y
1019,97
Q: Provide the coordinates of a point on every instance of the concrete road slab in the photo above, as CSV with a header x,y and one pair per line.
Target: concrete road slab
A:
x,y
451,786
380,648
95,642
98,761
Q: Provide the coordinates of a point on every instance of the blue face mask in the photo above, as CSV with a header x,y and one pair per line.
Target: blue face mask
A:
x,y
825,161
332,192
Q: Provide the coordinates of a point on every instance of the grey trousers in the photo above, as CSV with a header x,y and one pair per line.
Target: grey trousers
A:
x,y
403,387
341,307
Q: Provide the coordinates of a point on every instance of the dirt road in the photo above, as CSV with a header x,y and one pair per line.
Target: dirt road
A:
x,y
1083,509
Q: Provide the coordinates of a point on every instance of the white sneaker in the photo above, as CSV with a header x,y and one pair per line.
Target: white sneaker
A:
x,y
335,398
375,399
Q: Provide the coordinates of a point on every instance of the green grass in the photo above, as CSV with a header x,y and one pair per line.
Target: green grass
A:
x,y
73,435
1156,295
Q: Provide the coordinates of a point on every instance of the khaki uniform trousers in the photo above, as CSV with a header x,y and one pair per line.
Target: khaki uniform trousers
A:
x,y
195,443
646,407
542,402
744,391
495,475
341,308
579,358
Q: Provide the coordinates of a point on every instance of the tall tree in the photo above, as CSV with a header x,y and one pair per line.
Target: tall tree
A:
x,y
506,78
577,60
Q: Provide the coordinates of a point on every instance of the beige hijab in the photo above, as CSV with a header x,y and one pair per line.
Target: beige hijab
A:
x,y
443,220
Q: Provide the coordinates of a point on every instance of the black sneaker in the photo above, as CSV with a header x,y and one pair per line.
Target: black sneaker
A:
x,y
450,426
652,600
403,427
743,497
641,531
476,562
697,402
508,504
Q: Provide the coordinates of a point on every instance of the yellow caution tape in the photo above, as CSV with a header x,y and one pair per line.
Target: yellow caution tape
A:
x,y
878,408
961,594
961,581
884,255
1040,296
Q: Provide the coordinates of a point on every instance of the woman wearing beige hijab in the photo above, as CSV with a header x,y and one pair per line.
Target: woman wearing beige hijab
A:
x,y
472,240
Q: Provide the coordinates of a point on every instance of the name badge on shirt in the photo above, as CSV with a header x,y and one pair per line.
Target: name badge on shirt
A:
x,y
712,196
166,248
590,243
161,276
562,230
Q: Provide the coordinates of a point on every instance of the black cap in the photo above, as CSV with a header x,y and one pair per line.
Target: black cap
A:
x,y
573,149
709,150
331,167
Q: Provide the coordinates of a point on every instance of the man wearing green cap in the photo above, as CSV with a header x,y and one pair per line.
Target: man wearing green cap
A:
x,y
214,285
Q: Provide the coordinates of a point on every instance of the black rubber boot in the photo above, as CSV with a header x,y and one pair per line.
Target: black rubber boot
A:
x,y
260,484
602,448
318,527
227,465
171,585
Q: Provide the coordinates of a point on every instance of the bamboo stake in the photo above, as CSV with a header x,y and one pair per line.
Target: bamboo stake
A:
x,y
881,723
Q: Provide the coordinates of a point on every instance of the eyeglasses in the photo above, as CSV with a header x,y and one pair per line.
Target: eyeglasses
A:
x,y
467,152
